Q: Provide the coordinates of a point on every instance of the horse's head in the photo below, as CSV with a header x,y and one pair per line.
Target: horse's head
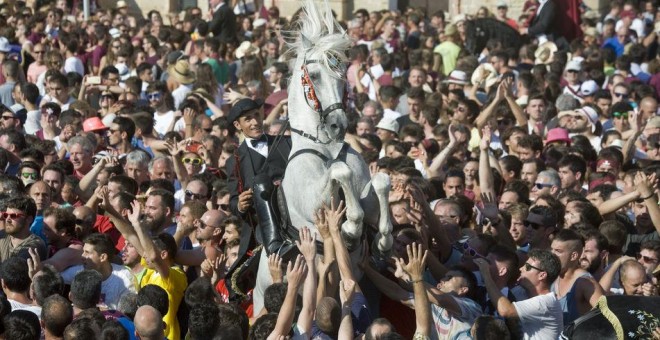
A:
x,y
317,90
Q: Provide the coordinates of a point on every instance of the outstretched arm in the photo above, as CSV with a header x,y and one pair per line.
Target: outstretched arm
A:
x,y
307,247
150,252
485,115
334,216
415,268
486,182
295,274
504,306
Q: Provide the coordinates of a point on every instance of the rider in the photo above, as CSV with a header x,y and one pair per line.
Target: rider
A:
x,y
253,157
259,158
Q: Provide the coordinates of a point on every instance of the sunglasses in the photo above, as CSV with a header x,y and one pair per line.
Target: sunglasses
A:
x,y
623,95
193,161
503,121
620,115
30,175
472,252
542,185
107,96
224,207
152,96
646,258
208,130
192,195
529,267
532,225
572,71
7,117
12,216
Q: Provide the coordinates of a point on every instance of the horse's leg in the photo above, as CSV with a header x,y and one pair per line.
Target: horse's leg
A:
x,y
263,281
381,184
352,227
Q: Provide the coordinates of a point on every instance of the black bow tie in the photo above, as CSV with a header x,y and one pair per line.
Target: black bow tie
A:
x,y
256,142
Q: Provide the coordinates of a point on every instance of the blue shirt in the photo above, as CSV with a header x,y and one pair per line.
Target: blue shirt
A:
x,y
37,227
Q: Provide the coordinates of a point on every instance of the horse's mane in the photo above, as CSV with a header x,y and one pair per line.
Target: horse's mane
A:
x,y
320,34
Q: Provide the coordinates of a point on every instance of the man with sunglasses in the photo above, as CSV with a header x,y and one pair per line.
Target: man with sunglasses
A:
x,y
540,316
16,238
547,182
120,135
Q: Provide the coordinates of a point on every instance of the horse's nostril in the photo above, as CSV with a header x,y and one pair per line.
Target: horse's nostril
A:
x,y
334,126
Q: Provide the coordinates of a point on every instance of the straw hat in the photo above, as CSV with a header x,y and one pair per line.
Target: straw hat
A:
x,y
545,53
484,74
246,49
181,72
121,4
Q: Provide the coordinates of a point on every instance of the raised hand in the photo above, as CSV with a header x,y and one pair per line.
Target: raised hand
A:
x,y
134,215
399,271
334,215
346,291
323,267
486,135
490,208
296,272
307,244
643,184
34,262
416,261
483,265
322,224
189,115
275,267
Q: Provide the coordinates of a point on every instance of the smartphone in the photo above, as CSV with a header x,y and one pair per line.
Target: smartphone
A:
x,y
193,147
94,80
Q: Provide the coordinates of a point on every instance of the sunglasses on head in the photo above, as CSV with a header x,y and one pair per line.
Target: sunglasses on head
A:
x,y
12,216
193,161
529,267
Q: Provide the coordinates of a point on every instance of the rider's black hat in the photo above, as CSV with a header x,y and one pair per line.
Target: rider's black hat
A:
x,y
243,106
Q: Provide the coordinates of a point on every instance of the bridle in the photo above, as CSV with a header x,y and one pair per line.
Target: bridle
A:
x,y
313,101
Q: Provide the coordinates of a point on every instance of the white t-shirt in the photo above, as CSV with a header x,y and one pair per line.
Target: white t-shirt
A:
x,y
117,284
180,93
15,305
541,317
73,64
449,326
391,114
33,122
162,122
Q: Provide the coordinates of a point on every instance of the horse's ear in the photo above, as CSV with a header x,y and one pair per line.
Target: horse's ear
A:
x,y
306,43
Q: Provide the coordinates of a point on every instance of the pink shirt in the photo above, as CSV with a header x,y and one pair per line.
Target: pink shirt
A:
x,y
34,71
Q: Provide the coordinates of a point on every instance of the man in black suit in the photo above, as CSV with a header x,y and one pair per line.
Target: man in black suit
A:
x,y
223,22
543,25
256,156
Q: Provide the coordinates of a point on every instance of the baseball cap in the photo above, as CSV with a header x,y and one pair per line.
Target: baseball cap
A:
x,y
574,65
588,88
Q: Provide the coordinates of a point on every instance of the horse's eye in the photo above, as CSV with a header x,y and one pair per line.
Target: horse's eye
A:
x,y
314,76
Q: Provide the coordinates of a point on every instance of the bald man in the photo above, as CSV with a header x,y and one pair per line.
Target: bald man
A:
x,y
149,324
634,279
88,222
85,220
41,193
209,234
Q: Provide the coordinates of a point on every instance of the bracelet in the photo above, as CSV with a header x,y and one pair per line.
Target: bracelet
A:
x,y
647,197
416,281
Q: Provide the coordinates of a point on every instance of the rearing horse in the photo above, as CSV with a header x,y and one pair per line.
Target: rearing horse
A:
x,y
321,162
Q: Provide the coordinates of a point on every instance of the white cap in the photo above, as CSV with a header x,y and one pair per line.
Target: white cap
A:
x,y
588,88
389,125
4,45
115,33
574,65
259,22
457,77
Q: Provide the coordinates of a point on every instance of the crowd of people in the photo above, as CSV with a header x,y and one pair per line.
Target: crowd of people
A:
x,y
524,179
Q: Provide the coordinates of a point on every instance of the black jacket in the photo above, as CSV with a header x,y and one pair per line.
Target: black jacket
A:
x,y
223,24
251,163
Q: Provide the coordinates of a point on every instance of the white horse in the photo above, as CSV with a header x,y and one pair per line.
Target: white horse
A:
x,y
320,162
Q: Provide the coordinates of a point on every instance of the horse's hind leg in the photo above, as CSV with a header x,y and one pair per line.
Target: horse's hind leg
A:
x,y
381,184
